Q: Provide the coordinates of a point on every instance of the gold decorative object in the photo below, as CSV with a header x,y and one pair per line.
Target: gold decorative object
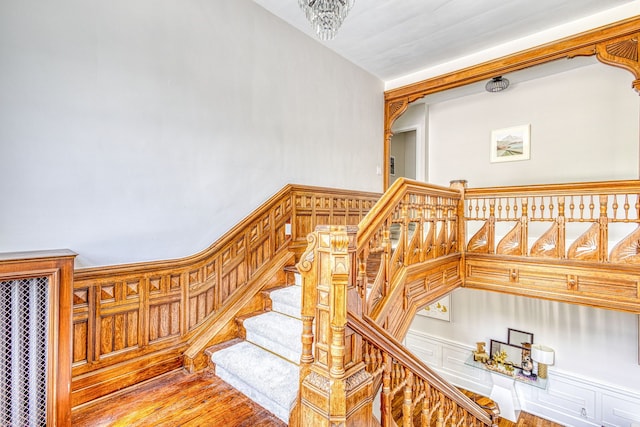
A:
x,y
500,357
480,355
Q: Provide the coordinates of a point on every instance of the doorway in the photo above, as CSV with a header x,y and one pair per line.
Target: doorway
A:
x,y
403,155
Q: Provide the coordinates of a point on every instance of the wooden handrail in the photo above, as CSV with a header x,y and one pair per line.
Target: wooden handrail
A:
x,y
373,333
609,187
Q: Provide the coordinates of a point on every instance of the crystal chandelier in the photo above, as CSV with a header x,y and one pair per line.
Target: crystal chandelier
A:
x,y
326,16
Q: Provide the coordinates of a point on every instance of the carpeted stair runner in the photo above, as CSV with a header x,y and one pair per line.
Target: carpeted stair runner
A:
x,y
265,366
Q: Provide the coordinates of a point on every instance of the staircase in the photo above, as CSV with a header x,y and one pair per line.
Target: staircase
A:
x,y
264,366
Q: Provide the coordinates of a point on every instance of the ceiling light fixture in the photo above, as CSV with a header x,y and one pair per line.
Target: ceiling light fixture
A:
x,y
497,84
326,16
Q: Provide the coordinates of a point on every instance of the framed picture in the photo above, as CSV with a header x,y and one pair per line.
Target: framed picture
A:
x,y
510,144
392,165
440,309
514,352
519,338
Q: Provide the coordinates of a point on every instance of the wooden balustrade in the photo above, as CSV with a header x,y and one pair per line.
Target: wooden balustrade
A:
x,y
414,228
133,322
338,372
568,242
428,399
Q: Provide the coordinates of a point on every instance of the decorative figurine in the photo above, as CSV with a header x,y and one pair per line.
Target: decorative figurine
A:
x,y
527,363
480,355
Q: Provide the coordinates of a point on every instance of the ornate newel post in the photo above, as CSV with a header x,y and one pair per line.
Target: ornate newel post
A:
x,y
337,391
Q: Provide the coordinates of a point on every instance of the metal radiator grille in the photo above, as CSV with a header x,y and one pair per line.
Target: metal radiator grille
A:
x,y
23,352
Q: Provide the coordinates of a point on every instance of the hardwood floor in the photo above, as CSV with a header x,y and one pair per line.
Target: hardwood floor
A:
x,y
176,399
528,420
189,400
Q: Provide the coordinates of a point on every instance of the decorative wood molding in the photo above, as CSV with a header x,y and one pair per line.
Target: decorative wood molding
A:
x,y
547,244
622,52
479,242
600,285
586,247
628,249
614,44
510,243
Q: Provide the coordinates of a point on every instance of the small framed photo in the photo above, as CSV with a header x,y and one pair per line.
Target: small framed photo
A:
x,y
514,352
392,165
511,144
520,338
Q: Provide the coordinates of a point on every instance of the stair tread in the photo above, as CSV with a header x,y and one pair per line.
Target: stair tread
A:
x,y
277,333
287,300
270,374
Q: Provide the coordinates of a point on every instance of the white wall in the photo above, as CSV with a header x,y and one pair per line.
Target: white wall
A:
x,y
589,342
143,130
584,127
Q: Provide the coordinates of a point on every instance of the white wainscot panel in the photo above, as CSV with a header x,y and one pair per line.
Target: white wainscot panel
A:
x,y
565,401
620,410
448,358
427,350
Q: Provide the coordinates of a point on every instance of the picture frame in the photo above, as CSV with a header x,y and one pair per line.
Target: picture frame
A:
x,y
516,337
514,352
440,309
392,165
511,144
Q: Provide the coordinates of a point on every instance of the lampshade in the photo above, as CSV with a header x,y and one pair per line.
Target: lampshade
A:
x,y
542,354
497,84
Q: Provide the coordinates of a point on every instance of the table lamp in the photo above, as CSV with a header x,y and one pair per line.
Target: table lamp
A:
x,y
544,356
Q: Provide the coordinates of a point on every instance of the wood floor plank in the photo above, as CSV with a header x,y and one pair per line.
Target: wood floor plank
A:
x,y
176,399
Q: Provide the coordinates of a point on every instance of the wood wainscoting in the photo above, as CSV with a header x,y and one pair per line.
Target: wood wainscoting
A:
x,y
134,322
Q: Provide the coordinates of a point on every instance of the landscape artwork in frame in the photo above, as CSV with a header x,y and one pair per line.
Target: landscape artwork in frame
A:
x,y
440,309
510,144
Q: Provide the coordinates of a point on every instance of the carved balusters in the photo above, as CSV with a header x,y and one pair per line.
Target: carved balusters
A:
x,y
386,396
407,402
596,209
425,414
403,244
386,260
524,234
441,410
307,268
431,238
561,234
603,220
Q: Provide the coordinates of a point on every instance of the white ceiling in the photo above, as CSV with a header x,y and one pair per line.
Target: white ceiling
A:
x,y
394,38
